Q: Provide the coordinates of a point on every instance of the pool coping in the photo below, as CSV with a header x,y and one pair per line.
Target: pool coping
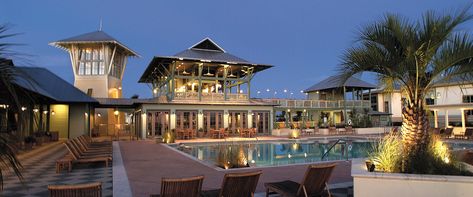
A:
x,y
121,184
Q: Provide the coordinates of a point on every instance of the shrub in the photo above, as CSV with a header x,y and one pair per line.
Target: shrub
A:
x,y
387,154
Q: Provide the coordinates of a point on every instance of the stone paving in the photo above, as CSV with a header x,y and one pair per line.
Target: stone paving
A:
x,y
40,171
147,162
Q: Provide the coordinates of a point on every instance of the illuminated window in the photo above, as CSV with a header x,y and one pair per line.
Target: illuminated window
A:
x,y
91,62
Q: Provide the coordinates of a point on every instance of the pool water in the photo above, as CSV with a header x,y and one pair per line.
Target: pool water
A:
x,y
284,152
275,153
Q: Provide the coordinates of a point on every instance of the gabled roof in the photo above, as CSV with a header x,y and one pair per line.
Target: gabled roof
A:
x,y
45,83
337,82
92,37
207,44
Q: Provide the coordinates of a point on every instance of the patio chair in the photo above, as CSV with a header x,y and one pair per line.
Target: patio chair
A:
x,y
86,153
313,184
77,190
177,187
236,185
96,150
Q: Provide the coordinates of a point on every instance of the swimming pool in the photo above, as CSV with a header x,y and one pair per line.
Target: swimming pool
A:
x,y
275,153
283,152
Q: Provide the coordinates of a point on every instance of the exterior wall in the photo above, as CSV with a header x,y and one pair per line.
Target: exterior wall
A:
x,y
97,83
60,120
173,107
448,95
79,115
394,100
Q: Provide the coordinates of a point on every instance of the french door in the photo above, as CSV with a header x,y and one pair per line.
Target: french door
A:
x,y
261,121
212,120
157,123
186,119
237,119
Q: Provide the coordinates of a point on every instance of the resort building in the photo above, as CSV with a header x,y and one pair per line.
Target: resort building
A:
x,y
329,103
64,113
450,103
203,88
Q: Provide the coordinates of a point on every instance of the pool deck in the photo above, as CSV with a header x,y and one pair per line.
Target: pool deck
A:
x,y
147,162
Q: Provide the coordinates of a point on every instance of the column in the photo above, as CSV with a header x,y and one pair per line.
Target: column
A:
x,y
463,119
446,118
172,119
225,118
436,119
250,119
143,125
200,119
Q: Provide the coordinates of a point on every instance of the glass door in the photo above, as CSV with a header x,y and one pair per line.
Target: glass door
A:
x,y
212,120
261,121
186,119
237,119
157,123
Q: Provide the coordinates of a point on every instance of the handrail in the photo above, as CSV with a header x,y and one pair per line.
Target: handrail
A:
x,y
331,147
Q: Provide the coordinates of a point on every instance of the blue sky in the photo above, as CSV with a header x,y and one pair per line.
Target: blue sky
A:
x,y
303,39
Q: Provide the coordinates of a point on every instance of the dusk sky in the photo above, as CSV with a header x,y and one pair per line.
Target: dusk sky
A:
x,y
304,40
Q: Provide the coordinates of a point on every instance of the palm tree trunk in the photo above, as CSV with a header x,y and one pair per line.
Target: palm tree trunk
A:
x,y
415,126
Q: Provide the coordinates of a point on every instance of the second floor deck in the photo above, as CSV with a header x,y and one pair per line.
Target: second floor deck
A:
x,y
319,104
194,96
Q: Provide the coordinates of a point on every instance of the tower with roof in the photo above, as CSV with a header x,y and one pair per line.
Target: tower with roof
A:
x,y
98,61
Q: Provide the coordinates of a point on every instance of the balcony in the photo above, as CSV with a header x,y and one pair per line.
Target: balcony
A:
x,y
194,96
319,104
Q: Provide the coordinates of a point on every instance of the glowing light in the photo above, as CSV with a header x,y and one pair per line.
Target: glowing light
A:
x,y
285,91
36,110
99,115
289,156
252,161
120,88
267,90
23,108
305,154
53,113
45,112
116,112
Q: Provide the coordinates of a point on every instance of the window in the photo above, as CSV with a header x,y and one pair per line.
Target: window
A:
x,y
117,66
430,101
468,99
386,106
91,62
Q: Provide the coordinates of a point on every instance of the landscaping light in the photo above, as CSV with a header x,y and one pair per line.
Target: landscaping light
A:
x,y
305,154
289,156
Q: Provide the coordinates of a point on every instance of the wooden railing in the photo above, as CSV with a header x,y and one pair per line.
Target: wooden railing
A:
x,y
210,96
293,103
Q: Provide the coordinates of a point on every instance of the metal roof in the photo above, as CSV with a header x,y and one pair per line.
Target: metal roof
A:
x,y
204,51
92,37
44,82
337,82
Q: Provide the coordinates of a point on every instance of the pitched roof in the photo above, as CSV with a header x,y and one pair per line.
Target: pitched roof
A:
x,y
44,82
205,50
93,37
337,82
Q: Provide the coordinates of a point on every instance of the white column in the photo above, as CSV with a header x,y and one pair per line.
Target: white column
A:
x,y
446,118
200,119
250,119
225,118
172,119
143,125
436,119
463,119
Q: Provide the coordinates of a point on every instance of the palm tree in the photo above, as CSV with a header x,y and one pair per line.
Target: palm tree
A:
x,y
413,55
8,73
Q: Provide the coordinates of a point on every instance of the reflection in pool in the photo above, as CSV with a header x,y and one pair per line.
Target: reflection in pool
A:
x,y
274,153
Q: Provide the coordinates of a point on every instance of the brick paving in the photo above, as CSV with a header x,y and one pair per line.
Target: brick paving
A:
x,y
147,162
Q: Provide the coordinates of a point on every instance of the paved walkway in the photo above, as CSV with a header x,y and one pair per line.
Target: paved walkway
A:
x,y
40,171
147,162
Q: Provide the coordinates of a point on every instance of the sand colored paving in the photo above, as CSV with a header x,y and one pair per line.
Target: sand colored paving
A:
x,y
146,162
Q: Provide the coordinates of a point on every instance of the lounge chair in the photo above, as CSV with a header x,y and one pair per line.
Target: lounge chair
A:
x,y
447,133
78,158
236,185
77,148
89,190
172,187
313,184
85,148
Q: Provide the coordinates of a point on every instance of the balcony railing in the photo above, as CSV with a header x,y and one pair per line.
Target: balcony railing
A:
x,y
323,104
209,96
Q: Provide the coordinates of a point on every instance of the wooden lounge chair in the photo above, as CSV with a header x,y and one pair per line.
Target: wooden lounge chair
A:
x,y
85,148
77,158
313,184
79,190
447,133
86,153
172,187
89,142
236,185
